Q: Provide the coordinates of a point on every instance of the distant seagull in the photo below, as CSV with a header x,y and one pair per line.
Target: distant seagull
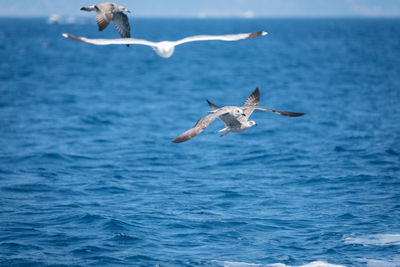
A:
x,y
235,118
165,49
107,12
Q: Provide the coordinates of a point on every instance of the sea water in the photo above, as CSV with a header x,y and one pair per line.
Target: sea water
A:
x,y
89,175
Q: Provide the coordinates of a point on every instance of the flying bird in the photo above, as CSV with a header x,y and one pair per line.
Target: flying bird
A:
x,y
236,119
165,49
107,12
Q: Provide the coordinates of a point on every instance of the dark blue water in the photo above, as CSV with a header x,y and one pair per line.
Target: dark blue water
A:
x,y
89,175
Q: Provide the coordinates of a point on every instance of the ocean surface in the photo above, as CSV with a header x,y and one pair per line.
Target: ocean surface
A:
x,y
89,175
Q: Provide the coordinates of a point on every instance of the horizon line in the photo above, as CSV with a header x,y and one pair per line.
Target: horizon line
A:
x,y
216,17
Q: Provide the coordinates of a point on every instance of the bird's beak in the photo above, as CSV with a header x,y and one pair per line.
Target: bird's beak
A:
x,y
256,124
128,11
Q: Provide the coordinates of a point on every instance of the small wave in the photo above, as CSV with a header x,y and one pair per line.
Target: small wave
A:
x,y
392,152
380,263
116,225
245,264
28,188
236,264
96,120
90,218
375,240
15,246
311,264
123,237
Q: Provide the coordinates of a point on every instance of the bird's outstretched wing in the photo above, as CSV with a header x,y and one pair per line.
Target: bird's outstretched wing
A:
x,y
280,112
103,15
121,23
251,101
109,41
227,37
198,127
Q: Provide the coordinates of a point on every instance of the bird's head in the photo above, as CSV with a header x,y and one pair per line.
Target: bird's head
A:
x,y
120,8
252,123
125,9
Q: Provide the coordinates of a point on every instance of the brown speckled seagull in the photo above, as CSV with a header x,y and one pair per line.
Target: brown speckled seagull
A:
x,y
107,12
234,118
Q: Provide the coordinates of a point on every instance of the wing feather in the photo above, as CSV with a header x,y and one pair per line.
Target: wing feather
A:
x,y
280,112
103,16
198,127
231,121
121,23
251,101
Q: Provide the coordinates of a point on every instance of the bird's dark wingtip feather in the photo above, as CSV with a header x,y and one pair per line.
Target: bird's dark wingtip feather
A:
x,y
73,37
256,34
294,114
179,140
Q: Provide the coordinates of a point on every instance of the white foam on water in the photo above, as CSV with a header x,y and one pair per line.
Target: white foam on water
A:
x,y
245,264
380,263
238,264
376,240
311,264
392,262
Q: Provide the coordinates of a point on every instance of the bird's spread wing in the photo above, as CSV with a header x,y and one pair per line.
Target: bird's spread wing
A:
x,y
198,127
227,37
121,23
251,101
109,41
280,112
103,16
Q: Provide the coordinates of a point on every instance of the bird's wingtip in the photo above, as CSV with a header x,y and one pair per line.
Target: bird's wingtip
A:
x,y
256,34
177,140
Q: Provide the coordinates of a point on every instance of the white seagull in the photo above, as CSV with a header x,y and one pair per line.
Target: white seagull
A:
x,y
165,49
234,118
107,12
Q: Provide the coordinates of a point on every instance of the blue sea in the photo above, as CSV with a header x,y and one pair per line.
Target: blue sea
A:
x,y
89,175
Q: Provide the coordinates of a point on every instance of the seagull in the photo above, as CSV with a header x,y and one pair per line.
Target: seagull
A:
x,y
234,118
107,12
165,49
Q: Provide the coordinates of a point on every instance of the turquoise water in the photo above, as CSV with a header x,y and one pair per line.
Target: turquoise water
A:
x,y
89,175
